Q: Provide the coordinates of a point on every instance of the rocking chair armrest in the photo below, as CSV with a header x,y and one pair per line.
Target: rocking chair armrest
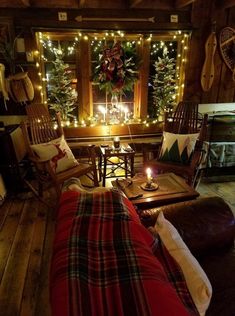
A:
x,y
197,157
202,158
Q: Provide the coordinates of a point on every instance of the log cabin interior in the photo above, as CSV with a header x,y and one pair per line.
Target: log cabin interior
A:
x,y
124,66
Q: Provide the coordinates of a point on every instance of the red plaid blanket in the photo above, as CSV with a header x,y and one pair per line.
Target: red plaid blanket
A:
x,y
103,263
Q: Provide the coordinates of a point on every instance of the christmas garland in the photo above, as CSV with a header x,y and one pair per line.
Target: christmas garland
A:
x,y
117,68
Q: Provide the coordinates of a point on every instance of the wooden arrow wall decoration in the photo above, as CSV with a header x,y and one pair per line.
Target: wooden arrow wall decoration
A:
x,y
98,19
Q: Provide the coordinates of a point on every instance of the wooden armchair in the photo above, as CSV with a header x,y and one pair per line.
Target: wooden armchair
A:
x,y
185,120
52,158
36,110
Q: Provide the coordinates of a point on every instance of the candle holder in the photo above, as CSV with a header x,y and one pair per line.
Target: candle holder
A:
x,y
116,143
149,186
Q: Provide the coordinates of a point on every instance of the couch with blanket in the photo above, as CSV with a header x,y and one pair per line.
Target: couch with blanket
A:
x,y
207,226
105,262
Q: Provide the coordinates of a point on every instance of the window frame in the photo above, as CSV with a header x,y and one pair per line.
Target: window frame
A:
x,y
82,61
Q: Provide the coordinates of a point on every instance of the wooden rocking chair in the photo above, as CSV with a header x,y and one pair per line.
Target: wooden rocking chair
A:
x,y
185,120
43,130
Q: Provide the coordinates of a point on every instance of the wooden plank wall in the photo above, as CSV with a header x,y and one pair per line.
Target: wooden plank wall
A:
x,y
204,13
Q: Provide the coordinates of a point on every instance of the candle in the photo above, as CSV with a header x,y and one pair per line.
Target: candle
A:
x,y
126,112
116,142
149,176
103,111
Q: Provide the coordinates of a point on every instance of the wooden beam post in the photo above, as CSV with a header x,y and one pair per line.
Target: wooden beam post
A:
x,y
182,3
141,100
225,4
84,84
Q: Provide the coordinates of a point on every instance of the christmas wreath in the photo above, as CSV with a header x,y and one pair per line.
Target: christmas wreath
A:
x,y
117,68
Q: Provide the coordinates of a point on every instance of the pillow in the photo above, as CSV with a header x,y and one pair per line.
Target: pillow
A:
x,y
198,284
174,272
177,147
58,152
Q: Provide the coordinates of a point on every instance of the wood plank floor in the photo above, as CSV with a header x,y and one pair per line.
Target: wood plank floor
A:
x,y
26,237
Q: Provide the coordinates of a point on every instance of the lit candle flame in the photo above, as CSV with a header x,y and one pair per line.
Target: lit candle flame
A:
x,y
149,175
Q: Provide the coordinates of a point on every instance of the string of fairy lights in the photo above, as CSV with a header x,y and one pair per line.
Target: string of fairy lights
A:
x,y
176,42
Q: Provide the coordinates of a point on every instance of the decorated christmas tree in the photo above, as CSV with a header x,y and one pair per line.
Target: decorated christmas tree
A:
x,y
164,84
62,96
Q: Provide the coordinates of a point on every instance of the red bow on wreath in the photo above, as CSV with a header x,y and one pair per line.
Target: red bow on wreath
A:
x,y
112,57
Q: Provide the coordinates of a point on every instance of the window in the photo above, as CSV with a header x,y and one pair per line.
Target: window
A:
x,y
55,47
115,70
84,52
168,56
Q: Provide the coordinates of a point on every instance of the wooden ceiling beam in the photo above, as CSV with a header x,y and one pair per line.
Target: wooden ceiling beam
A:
x,y
25,3
225,4
81,3
182,3
133,3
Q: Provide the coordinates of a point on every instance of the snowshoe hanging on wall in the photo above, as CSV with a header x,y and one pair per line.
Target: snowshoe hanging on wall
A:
x,y
227,48
20,87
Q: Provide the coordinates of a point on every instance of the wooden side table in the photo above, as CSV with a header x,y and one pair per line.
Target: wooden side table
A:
x,y
126,161
172,189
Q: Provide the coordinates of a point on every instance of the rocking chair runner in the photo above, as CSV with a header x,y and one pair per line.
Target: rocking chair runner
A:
x,y
185,120
38,130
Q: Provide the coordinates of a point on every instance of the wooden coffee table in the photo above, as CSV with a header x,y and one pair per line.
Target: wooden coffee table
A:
x,y
171,189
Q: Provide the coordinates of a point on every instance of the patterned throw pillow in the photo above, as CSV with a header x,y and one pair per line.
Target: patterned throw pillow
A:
x,y
178,147
58,152
197,281
174,272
